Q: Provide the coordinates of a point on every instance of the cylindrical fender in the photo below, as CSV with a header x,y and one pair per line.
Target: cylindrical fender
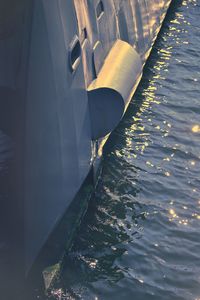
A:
x,y
113,87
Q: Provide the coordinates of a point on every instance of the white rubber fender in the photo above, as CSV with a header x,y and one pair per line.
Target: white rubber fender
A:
x,y
109,93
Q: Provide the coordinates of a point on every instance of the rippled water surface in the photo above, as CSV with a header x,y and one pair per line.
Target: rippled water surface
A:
x,y
141,236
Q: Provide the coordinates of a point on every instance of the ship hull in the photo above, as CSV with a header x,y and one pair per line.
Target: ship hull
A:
x,y
70,68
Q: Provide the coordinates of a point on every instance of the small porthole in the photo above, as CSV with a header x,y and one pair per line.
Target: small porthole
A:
x,y
74,54
99,9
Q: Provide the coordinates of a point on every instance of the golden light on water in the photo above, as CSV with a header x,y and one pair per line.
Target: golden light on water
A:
x,y
173,216
172,213
183,222
167,174
149,163
166,159
196,128
150,98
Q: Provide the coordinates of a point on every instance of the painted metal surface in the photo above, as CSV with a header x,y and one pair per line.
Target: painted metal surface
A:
x,y
59,50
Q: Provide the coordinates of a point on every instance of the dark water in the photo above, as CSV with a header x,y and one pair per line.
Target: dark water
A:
x,y
141,236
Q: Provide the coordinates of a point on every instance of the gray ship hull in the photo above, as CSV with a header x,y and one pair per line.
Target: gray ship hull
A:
x,y
68,72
